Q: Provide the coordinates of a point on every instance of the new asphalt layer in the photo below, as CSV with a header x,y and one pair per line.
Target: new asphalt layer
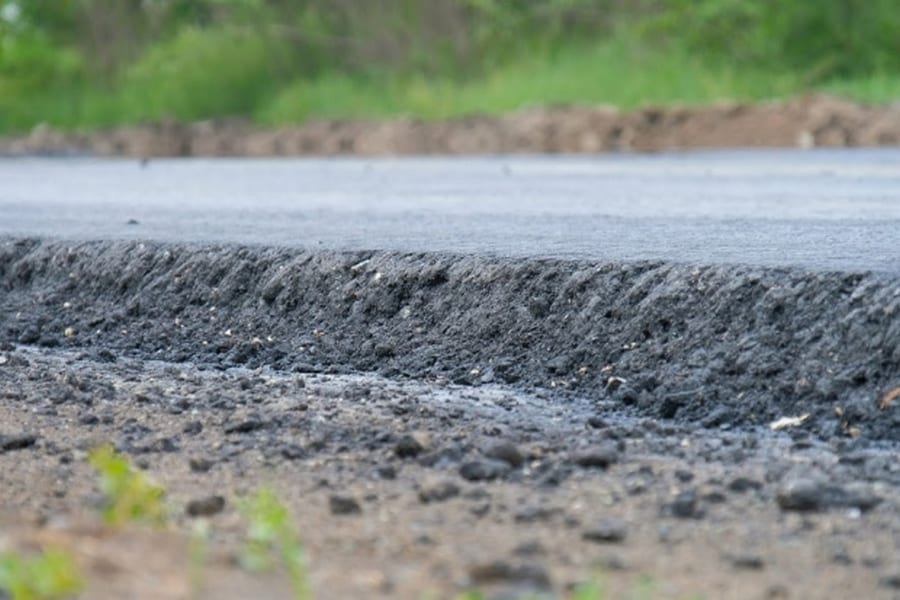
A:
x,y
821,210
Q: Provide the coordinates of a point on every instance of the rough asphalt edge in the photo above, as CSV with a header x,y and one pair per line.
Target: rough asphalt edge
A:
x,y
717,346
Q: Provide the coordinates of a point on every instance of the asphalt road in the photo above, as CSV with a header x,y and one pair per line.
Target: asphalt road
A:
x,y
823,209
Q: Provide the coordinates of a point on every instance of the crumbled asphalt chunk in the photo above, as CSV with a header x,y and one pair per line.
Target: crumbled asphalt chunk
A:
x,y
686,505
684,475
199,464
484,470
743,484
386,472
343,505
17,441
535,514
501,571
293,451
805,494
747,561
505,451
801,494
205,507
607,531
411,445
442,457
529,549
438,491
600,456
890,580
246,425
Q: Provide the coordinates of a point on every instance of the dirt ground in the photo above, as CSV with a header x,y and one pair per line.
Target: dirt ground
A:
x,y
440,488
438,424
808,121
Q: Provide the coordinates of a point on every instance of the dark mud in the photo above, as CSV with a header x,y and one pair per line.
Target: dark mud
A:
x,y
714,347
809,121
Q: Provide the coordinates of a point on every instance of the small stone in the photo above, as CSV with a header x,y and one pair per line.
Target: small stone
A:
x,y
18,441
598,457
192,427
530,548
507,452
596,422
684,475
686,505
200,465
891,580
386,472
484,470
744,484
500,571
438,491
535,514
412,444
747,562
343,505
606,531
205,507
479,509
246,426
293,452
801,495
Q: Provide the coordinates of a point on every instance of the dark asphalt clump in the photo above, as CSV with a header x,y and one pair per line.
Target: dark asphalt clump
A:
x,y
747,344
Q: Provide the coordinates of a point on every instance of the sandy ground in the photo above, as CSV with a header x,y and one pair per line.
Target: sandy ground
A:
x,y
809,121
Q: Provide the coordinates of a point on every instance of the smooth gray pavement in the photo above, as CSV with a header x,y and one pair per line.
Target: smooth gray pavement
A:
x,y
822,209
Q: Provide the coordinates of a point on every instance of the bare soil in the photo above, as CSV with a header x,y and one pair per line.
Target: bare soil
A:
x,y
808,121
440,423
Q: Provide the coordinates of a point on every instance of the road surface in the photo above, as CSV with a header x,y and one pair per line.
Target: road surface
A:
x,y
822,209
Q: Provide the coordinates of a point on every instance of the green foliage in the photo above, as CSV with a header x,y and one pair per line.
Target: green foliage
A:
x,y
820,40
130,494
271,539
50,575
199,73
100,62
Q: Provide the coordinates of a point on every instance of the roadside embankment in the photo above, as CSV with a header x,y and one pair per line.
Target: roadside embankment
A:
x,y
808,121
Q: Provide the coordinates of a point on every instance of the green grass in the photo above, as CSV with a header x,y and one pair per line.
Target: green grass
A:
x,y
877,88
271,539
620,72
131,496
49,575
617,72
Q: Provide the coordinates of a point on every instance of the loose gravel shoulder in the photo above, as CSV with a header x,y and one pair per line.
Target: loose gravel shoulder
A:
x,y
438,423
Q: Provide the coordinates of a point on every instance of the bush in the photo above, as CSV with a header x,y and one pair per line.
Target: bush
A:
x,y
819,40
201,73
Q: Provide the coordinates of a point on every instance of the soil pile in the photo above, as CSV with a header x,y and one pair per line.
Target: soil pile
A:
x,y
698,344
809,121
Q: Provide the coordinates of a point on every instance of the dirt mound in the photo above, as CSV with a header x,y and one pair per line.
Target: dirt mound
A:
x,y
701,344
809,121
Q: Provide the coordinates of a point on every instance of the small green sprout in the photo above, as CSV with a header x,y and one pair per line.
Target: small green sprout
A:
x,y
271,536
130,494
50,575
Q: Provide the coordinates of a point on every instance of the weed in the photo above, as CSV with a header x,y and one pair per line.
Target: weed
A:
x,y
270,537
47,576
130,494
